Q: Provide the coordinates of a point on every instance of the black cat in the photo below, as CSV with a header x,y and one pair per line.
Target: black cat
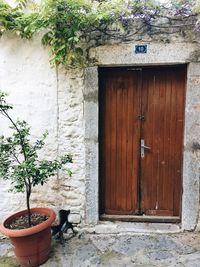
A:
x,y
63,225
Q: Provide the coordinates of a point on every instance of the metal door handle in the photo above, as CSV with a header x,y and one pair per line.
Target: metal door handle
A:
x,y
143,147
147,147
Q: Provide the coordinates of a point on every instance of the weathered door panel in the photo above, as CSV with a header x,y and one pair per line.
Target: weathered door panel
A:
x,y
119,140
163,98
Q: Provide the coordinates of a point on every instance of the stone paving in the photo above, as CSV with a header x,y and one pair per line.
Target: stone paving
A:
x,y
138,250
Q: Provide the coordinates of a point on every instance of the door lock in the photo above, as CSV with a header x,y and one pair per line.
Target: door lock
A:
x,y
141,117
143,147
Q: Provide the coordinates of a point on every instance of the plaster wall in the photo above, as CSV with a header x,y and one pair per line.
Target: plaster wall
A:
x,y
66,103
48,99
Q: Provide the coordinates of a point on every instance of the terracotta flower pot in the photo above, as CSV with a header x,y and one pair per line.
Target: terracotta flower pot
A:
x,y
31,245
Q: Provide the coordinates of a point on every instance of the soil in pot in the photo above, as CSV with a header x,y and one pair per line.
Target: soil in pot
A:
x,y
21,222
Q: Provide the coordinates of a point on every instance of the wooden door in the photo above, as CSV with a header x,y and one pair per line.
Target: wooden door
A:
x,y
163,99
141,105
120,137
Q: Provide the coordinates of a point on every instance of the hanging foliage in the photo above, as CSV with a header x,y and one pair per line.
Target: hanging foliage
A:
x,y
69,26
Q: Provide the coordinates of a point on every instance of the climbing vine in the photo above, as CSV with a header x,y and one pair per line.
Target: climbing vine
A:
x,y
70,27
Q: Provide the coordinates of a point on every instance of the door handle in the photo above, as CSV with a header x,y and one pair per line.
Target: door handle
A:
x,y
147,147
143,147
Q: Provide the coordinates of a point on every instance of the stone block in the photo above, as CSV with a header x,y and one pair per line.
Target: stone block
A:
x,y
157,53
106,229
194,69
74,218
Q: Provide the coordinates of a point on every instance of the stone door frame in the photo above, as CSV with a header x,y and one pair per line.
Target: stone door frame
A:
x,y
190,196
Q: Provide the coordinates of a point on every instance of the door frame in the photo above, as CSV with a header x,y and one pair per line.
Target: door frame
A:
x,y
190,180
138,72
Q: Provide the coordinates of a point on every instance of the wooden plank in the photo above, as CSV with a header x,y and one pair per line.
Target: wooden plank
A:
x,y
148,164
167,184
107,145
180,84
131,218
112,121
133,140
119,174
131,193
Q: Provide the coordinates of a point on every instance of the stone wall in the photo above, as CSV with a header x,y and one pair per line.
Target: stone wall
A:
x,y
65,102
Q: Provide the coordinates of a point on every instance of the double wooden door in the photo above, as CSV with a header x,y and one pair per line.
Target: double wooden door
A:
x,y
141,140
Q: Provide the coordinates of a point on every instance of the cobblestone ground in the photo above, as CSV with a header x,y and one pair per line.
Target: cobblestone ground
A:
x,y
139,250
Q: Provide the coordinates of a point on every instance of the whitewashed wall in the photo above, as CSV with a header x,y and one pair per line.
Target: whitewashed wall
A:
x,y
47,100
66,104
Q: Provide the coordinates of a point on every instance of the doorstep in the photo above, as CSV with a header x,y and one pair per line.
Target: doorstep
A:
x,y
117,227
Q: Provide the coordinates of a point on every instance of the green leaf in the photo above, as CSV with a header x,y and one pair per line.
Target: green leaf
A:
x,y
19,156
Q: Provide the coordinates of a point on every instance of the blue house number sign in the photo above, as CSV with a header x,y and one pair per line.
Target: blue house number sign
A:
x,y
140,49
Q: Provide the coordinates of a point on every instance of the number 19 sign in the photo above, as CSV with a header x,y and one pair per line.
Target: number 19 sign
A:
x,y
140,49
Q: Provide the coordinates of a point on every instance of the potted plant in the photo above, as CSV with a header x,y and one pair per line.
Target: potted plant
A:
x,y
30,229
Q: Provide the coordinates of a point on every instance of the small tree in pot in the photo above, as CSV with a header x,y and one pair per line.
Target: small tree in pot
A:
x,y
20,163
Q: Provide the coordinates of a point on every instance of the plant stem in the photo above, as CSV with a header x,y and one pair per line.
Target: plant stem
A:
x,y
28,193
21,139
27,183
